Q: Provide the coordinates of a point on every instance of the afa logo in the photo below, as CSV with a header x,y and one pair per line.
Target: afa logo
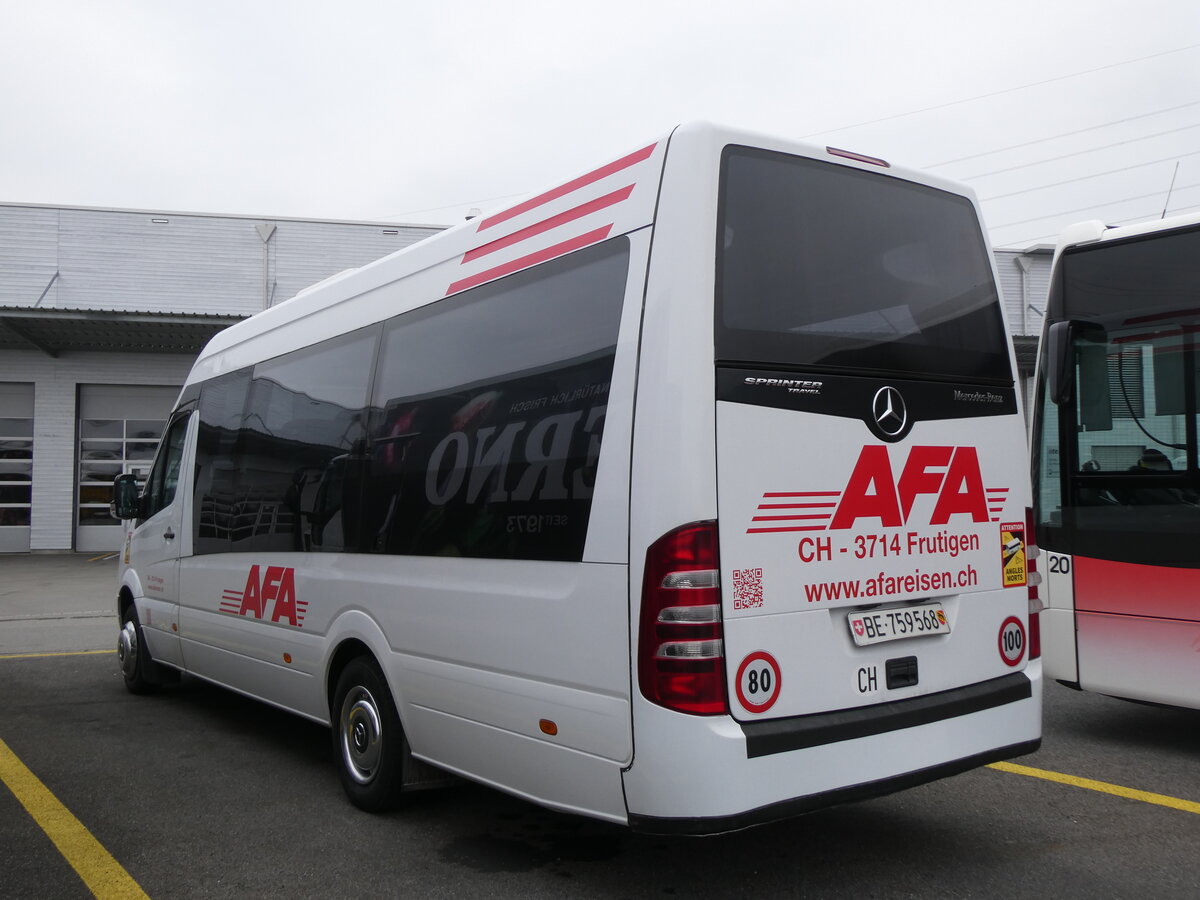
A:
x,y
951,475
268,595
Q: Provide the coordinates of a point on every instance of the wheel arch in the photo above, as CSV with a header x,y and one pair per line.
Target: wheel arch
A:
x,y
124,600
349,648
355,634
130,590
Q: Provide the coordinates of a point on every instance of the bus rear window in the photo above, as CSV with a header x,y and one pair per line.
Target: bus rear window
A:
x,y
821,266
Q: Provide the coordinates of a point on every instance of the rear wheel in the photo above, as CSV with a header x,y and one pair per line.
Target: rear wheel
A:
x,y
141,673
367,737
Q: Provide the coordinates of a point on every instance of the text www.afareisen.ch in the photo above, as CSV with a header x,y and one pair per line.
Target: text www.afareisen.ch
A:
x,y
884,585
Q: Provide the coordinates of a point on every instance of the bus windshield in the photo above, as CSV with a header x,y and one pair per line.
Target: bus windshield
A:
x,y
1116,471
825,267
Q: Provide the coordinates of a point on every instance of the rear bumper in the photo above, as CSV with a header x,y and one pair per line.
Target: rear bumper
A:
x,y
704,775
788,808
799,732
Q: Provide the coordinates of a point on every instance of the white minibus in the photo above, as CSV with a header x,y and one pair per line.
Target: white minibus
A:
x,y
680,495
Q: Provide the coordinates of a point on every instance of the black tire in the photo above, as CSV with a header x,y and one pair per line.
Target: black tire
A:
x,y
368,740
141,673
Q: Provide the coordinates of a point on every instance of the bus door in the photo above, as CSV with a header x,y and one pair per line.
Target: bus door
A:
x,y
158,539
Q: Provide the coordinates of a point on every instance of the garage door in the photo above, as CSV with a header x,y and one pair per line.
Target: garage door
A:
x,y
119,429
16,465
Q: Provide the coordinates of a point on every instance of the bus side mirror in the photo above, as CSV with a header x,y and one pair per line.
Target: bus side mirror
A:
x,y
126,501
1060,370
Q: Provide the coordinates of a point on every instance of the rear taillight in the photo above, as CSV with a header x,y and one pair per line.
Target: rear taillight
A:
x,y
1034,579
681,648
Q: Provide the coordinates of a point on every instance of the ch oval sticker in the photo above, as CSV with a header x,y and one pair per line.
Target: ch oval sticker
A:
x,y
758,681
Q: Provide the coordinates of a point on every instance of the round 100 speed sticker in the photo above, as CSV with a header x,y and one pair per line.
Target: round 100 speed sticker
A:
x,y
1012,641
758,681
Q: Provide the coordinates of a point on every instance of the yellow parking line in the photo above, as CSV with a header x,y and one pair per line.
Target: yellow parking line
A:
x,y
62,653
103,875
1102,786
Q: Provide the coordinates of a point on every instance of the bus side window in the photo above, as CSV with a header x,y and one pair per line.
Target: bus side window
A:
x,y
164,476
488,414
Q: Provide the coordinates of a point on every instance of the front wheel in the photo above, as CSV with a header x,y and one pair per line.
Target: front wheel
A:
x,y
141,673
368,740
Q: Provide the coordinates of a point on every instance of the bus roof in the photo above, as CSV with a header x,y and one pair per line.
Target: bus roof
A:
x,y
1094,230
613,199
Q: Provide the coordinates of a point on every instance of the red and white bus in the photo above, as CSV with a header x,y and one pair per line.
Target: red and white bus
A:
x,y
1116,483
689,493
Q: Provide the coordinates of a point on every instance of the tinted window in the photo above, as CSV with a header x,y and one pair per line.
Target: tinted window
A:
x,y
1105,281
1118,474
488,413
164,477
821,266
301,447
221,403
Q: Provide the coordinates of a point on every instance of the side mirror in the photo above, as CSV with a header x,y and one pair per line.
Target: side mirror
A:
x,y
1060,369
1066,341
126,502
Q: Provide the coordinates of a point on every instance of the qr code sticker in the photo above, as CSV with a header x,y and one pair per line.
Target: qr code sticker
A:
x,y
747,588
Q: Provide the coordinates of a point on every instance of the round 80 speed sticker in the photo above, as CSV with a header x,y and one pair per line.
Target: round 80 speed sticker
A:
x,y
758,681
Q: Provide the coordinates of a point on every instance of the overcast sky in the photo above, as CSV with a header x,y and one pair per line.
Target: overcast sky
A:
x,y
1054,110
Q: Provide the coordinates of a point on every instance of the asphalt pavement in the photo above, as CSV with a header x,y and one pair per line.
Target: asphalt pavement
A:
x,y
57,602
198,792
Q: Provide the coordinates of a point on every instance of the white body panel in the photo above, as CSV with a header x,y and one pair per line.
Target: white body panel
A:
x,y
482,655
154,583
717,780
697,767
1058,618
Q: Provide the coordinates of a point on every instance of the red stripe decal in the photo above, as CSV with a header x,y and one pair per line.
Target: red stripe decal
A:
x,y
793,528
786,518
548,224
582,181
796,505
532,259
802,494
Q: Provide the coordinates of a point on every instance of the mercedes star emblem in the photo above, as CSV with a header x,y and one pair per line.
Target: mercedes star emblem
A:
x,y
889,411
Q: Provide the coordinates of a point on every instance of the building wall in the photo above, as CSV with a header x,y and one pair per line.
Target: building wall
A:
x,y
176,262
143,261
1025,283
56,390
1024,287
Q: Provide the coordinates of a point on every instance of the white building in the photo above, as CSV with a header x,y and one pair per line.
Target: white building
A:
x,y
1025,285
101,313
103,310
